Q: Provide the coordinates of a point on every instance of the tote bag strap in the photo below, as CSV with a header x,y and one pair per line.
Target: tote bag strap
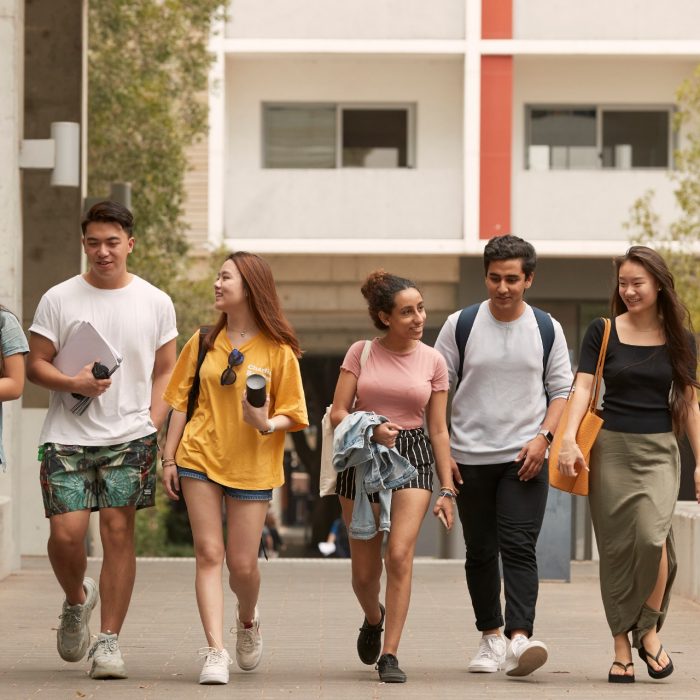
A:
x,y
365,353
599,367
363,359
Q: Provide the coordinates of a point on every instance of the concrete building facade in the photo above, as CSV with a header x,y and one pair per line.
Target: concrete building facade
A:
x,y
347,135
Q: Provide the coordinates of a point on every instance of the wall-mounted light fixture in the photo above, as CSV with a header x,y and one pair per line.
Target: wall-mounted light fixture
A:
x,y
60,154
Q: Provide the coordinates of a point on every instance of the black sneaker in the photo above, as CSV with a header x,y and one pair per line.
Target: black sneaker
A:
x,y
389,671
369,641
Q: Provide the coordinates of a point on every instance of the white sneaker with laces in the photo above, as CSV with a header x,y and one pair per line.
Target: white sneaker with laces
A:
x,y
490,656
73,636
215,669
249,643
107,661
524,656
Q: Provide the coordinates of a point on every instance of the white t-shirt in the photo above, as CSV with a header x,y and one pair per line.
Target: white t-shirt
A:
x,y
136,320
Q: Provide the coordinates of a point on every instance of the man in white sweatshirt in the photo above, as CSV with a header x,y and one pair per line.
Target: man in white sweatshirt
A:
x,y
509,367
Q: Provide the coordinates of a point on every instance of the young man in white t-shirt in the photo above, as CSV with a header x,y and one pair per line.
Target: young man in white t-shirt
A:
x,y
104,459
504,411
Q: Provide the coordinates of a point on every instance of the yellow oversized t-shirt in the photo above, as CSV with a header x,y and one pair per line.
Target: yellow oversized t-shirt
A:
x,y
216,440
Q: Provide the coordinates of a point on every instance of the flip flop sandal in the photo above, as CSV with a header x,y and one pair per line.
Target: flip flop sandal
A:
x,y
621,677
667,670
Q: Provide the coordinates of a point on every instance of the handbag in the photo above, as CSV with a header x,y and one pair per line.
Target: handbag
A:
x,y
328,476
587,432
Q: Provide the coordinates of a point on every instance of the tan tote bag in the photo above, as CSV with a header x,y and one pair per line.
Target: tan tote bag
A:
x,y
588,430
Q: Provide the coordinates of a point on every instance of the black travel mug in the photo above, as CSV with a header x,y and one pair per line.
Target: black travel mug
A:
x,y
256,390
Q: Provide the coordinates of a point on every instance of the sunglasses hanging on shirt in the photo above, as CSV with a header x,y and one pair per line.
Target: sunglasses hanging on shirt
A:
x,y
235,359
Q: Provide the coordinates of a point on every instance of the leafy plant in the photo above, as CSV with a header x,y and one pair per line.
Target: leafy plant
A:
x,y
148,68
680,240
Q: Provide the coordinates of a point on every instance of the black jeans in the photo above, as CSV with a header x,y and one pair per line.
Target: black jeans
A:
x,y
501,514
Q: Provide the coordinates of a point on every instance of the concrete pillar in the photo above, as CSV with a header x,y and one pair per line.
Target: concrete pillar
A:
x,y
12,41
54,90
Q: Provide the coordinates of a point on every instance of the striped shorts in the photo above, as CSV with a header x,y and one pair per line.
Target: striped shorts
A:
x,y
415,446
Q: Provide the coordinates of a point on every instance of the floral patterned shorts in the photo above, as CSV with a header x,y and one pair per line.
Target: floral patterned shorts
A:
x,y
75,477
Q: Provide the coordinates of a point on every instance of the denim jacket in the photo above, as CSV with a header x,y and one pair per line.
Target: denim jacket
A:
x,y
378,469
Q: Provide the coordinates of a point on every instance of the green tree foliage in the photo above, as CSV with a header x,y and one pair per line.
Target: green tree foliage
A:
x,y
680,240
148,68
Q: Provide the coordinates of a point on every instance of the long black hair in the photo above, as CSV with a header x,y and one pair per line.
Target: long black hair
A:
x,y
676,324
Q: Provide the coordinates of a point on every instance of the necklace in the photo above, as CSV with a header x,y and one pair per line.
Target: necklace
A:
x,y
243,333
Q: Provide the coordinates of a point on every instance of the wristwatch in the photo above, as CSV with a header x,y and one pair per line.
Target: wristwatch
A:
x,y
548,435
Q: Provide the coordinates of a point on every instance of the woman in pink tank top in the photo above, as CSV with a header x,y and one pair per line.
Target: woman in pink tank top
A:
x,y
406,381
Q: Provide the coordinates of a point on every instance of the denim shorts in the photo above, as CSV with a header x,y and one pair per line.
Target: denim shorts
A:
x,y
237,494
76,477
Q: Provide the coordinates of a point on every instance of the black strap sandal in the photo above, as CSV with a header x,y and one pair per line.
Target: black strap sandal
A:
x,y
621,677
667,670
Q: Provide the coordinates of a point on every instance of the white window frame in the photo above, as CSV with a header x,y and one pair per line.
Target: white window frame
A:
x,y
600,109
340,107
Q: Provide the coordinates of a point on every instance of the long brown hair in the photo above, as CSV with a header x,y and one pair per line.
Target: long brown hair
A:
x,y
264,303
675,321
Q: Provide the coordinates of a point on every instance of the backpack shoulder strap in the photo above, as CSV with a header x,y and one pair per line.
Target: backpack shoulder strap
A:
x,y
194,389
465,321
546,328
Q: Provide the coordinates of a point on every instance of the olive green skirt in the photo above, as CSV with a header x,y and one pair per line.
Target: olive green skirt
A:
x,y
633,489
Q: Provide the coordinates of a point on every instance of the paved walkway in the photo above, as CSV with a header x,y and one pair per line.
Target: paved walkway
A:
x,y
309,623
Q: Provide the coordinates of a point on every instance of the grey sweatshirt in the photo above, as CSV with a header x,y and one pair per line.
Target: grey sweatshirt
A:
x,y
501,402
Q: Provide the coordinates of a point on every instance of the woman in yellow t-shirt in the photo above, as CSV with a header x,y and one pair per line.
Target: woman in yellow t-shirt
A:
x,y
232,451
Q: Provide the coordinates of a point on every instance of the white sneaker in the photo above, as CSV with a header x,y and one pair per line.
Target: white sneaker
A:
x,y
73,636
490,656
107,661
524,656
215,669
249,643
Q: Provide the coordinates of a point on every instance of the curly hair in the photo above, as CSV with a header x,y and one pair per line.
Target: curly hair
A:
x,y
380,289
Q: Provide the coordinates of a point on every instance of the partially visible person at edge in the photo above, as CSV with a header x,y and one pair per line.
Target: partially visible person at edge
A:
x,y
13,348
230,451
650,399
104,459
405,381
504,413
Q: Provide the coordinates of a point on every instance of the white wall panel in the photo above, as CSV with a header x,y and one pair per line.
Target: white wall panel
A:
x,y
345,203
606,19
343,19
594,204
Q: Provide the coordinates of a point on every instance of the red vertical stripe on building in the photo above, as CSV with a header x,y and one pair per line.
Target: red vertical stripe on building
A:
x,y
496,130
497,19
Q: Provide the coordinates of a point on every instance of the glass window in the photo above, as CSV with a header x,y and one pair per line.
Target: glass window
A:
x,y
562,138
634,139
299,136
375,138
581,138
312,136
